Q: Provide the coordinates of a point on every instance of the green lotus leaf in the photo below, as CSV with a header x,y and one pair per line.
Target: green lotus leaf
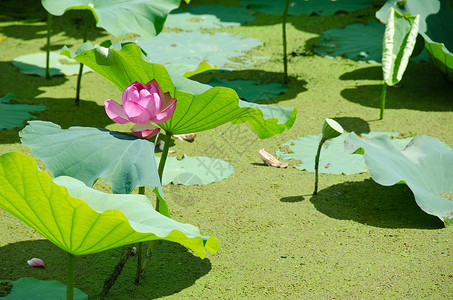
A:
x,y
81,220
424,165
208,16
192,48
33,289
200,107
308,7
435,27
119,17
123,161
251,90
195,170
35,64
399,41
333,159
14,115
356,41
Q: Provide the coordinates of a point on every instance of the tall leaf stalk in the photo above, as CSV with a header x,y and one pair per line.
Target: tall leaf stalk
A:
x,y
70,277
79,77
285,55
49,34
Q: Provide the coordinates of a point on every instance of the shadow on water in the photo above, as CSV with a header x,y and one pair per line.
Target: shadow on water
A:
x,y
372,204
172,269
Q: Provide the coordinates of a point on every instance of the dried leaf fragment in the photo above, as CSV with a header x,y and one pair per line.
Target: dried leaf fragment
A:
x,y
269,160
186,137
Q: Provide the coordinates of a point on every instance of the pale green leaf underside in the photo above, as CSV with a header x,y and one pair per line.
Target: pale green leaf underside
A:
x,y
399,40
199,107
424,165
14,115
86,153
120,17
33,289
195,170
98,222
435,27
35,64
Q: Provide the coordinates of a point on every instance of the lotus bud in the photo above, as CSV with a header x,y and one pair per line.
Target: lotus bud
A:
x,y
331,129
36,262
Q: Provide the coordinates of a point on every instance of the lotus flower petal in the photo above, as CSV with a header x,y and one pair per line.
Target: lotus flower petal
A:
x,y
115,112
145,131
36,262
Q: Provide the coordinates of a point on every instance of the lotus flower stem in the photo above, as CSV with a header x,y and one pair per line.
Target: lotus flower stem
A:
x,y
163,158
70,277
285,56
109,282
141,190
318,154
49,34
384,92
79,77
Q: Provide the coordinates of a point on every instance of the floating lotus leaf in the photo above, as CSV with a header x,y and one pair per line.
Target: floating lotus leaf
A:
x,y
208,16
333,159
33,289
14,115
356,41
251,90
424,165
435,27
119,17
307,7
81,220
192,48
123,161
35,64
200,107
195,170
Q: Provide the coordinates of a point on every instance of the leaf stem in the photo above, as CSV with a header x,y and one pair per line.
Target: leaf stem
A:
x,y
141,191
318,154
79,77
285,56
384,92
70,277
49,34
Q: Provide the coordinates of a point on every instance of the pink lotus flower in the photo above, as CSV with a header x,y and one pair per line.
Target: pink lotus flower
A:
x,y
144,105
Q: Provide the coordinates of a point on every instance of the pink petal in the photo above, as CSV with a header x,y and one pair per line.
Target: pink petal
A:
x,y
154,87
168,110
36,262
115,111
136,113
151,101
145,131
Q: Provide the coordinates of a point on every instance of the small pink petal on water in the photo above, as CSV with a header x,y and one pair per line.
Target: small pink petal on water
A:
x,y
36,262
115,112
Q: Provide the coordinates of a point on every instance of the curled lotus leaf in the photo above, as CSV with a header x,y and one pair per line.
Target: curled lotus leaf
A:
x,y
200,107
82,220
424,165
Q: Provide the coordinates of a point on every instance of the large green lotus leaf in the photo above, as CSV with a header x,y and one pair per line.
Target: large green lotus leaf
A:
x,y
191,48
251,90
308,7
33,289
119,17
82,220
356,41
123,161
333,159
195,170
399,41
435,27
14,115
200,107
35,64
424,165
208,16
